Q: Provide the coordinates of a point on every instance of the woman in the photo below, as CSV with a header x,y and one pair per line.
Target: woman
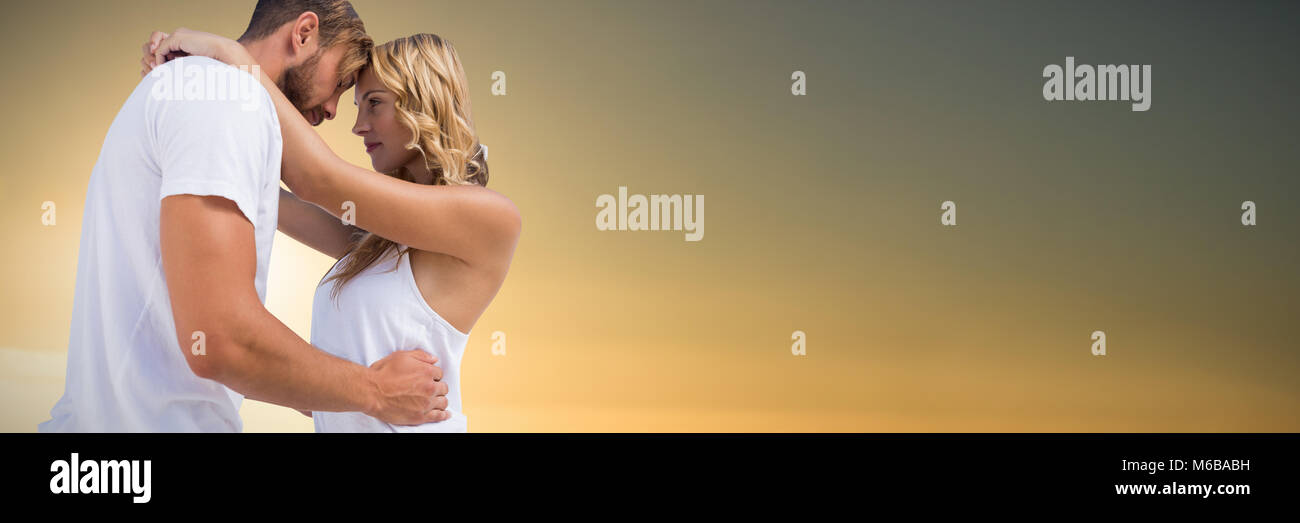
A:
x,y
431,244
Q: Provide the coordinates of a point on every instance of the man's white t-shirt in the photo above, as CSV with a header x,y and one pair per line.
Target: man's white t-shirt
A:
x,y
180,132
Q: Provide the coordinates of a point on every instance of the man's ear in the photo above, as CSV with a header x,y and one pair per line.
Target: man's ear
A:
x,y
305,36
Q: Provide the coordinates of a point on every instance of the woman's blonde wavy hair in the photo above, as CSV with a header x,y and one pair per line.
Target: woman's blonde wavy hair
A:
x,y
425,74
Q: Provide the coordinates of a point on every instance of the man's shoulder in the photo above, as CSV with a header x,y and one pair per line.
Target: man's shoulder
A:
x,y
217,87
196,65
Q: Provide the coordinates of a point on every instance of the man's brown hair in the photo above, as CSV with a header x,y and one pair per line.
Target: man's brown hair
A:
x,y
339,25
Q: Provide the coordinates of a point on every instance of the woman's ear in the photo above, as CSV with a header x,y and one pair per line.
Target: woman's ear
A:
x,y
306,35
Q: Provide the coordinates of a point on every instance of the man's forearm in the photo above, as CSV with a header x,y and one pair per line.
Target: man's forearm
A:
x,y
208,255
270,363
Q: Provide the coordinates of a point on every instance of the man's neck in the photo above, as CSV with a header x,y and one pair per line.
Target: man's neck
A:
x,y
272,65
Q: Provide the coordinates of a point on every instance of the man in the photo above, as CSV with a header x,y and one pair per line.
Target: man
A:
x,y
169,331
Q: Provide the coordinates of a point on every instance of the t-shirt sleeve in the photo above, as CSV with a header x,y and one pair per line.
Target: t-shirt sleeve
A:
x,y
214,147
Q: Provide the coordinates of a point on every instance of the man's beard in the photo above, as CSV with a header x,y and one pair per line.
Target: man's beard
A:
x,y
297,83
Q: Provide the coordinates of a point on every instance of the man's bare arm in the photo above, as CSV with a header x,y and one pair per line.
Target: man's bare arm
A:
x,y
314,227
209,257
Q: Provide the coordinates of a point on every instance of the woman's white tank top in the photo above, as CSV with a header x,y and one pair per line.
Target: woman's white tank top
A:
x,y
378,312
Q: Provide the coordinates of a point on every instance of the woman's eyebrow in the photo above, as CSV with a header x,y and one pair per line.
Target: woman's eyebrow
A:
x,y
365,94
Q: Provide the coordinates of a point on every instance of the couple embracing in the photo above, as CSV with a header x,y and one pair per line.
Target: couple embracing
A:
x,y
169,329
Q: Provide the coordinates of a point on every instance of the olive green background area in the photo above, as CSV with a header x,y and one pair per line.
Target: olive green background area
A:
x,y
822,211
